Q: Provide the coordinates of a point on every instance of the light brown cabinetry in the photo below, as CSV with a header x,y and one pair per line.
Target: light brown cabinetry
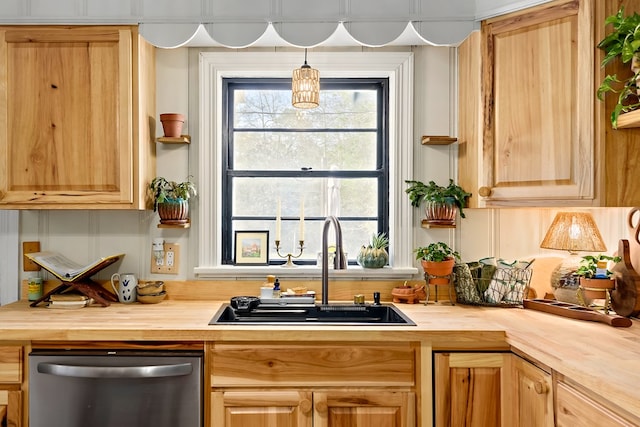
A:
x,y
531,95
532,394
314,384
531,130
469,389
574,408
10,386
77,115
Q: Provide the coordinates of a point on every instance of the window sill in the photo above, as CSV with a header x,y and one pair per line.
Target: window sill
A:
x,y
234,272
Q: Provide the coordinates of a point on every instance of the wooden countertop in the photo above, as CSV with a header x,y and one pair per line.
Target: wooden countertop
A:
x,y
597,356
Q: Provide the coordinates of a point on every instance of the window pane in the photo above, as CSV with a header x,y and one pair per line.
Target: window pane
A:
x,y
271,108
345,197
293,151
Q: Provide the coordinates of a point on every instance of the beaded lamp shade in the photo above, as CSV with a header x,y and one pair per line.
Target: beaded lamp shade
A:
x,y
305,86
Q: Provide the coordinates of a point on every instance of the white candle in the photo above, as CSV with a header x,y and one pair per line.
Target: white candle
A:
x,y
302,219
278,220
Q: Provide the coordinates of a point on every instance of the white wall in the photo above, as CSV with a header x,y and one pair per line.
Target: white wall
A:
x,y
508,233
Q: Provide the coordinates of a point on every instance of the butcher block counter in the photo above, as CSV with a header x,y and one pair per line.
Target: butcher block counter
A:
x,y
595,357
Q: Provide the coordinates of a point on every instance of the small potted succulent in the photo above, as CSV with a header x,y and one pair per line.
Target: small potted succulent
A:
x,y
441,203
374,255
437,261
171,199
595,277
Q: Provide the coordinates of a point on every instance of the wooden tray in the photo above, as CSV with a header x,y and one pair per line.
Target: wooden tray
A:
x,y
575,311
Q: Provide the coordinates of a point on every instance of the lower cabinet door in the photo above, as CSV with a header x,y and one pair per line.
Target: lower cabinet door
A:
x,y
363,409
10,408
469,389
532,394
261,408
573,409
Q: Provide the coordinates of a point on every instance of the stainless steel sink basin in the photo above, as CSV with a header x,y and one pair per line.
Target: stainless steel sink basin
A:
x,y
307,314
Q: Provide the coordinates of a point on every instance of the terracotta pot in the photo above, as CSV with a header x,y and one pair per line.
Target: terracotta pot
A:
x,y
172,124
439,270
596,288
441,213
174,211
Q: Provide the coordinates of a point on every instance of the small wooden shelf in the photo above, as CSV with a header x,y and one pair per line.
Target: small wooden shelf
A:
x,y
629,120
182,139
185,225
426,224
438,140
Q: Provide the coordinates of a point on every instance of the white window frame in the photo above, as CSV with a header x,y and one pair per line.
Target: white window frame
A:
x,y
214,66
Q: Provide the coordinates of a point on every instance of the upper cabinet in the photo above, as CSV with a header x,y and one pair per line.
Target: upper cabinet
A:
x,y
77,117
526,108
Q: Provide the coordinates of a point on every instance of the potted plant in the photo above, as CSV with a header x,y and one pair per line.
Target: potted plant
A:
x,y
441,203
437,261
171,199
623,43
595,276
374,255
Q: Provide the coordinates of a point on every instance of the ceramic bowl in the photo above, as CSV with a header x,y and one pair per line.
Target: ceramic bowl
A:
x,y
152,298
149,288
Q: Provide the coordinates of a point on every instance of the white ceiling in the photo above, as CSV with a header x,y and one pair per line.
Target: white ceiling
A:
x,y
300,23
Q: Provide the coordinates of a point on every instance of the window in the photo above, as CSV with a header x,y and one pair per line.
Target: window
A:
x,y
208,157
331,160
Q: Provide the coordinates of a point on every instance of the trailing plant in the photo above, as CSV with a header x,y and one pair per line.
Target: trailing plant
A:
x,y
623,43
436,252
163,190
589,264
419,192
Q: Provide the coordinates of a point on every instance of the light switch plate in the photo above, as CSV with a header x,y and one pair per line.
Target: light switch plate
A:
x,y
169,263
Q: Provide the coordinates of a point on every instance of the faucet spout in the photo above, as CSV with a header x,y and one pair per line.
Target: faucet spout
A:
x,y
339,261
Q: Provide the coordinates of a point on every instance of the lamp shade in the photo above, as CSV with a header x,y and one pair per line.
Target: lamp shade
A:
x,y
574,232
305,86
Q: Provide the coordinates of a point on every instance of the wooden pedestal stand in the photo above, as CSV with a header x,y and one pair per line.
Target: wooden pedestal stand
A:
x,y
81,282
86,287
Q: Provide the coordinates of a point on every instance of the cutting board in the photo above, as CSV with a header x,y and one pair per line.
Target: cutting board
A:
x,y
624,298
633,225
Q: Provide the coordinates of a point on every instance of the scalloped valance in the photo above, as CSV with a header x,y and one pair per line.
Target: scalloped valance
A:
x,y
299,23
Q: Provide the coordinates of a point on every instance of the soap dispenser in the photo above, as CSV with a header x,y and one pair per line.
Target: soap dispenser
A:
x,y
276,289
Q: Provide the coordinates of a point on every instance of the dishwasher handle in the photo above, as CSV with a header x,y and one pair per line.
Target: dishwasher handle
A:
x,y
148,371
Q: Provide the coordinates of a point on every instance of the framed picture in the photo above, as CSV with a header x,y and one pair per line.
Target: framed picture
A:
x,y
252,247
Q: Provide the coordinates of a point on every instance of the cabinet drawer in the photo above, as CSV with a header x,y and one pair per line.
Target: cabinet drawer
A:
x,y
10,364
576,409
313,364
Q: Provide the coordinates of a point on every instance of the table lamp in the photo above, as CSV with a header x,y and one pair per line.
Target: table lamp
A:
x,y
574,232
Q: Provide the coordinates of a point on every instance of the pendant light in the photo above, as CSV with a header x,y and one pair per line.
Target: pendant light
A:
x,y
305,86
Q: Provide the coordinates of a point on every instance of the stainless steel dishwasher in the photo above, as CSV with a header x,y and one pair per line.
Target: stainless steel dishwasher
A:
x,y
69,388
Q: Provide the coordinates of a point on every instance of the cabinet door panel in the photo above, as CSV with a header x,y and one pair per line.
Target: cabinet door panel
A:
x,y
261,409
67,128
534,101
532,396
11,408
575,409
469,389
364,409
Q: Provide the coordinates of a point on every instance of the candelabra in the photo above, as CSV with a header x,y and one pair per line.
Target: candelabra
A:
x,y
289,256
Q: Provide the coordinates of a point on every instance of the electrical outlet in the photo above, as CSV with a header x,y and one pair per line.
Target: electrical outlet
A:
x,y
169,262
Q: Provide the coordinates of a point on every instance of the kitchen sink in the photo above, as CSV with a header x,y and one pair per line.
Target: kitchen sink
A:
x,y
312,314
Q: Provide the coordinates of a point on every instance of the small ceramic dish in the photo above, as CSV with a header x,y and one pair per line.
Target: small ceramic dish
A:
x,y
152,298
148,288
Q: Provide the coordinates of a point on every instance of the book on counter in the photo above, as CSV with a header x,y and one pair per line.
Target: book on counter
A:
x,y
67,270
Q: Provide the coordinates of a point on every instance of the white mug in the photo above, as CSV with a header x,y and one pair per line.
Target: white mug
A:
x,y
126,289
